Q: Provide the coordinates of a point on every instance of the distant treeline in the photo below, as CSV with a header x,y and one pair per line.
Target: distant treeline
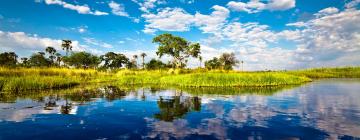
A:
x,y
176,47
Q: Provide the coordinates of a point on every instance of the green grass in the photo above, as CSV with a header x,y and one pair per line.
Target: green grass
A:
x,y
341,72
233,79
21,79
209,79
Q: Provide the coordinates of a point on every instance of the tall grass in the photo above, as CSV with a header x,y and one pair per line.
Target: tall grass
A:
x,y
233,79
20,79
340,72
208,79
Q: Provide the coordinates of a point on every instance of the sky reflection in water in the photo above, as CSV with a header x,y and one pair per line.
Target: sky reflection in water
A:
x,y
318,110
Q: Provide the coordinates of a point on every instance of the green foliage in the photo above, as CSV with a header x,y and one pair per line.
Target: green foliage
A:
x,y
39,60
213,64
82,60
66,45
228,60
155,64
176,47
113,60
51,51
8,59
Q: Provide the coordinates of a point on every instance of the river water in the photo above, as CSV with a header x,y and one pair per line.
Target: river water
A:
x,y
323,109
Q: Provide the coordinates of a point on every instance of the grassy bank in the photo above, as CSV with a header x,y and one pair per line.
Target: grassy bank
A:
x,y
341,72
209,78
20,79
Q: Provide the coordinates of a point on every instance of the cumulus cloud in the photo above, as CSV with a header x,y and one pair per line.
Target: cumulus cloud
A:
x,y
168,19
177,19
254,6
147,5
331,36
25,44
118,9
81,9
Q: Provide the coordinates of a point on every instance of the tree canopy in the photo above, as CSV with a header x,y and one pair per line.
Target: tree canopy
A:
x,y
82,60
176,47
8,59
113,60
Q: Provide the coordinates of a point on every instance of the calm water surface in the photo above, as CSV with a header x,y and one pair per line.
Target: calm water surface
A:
x,y
326,109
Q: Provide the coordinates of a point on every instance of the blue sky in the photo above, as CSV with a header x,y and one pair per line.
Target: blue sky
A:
x,y
266,34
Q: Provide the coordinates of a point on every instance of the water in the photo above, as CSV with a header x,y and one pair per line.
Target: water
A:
x,y
326,109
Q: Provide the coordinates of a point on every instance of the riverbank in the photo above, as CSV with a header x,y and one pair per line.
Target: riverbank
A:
x,y
20,79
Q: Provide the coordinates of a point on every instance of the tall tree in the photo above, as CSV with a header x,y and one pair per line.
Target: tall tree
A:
x,y
176,47
39,60
67,46
143,55
58,58
135,57
155,64
213,63
51,51
228,60
24,61
82,60
113,60
200,60
8,59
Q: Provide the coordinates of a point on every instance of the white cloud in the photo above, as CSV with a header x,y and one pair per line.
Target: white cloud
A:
x,y
147,5
177,19
274,5
327,40
352,4
212,23
99,13
93,41
327,11
254,6
81,9
82,29
168,19
118,9
23,43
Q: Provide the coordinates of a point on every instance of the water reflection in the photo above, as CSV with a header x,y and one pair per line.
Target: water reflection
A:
x,y
327,109
176,107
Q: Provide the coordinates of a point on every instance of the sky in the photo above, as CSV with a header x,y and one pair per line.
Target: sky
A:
x,y
265,34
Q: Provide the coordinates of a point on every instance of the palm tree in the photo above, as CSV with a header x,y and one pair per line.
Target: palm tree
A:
x,y
200,59
135,59
228,60
143,55
66,45
242,65
58,58
51,51
24,61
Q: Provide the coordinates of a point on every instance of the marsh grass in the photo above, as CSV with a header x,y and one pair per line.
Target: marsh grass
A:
x,y
340,72
20,79
209,79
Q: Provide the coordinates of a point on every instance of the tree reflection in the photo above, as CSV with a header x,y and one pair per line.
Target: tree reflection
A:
x,y
51,103
177,107
66,109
